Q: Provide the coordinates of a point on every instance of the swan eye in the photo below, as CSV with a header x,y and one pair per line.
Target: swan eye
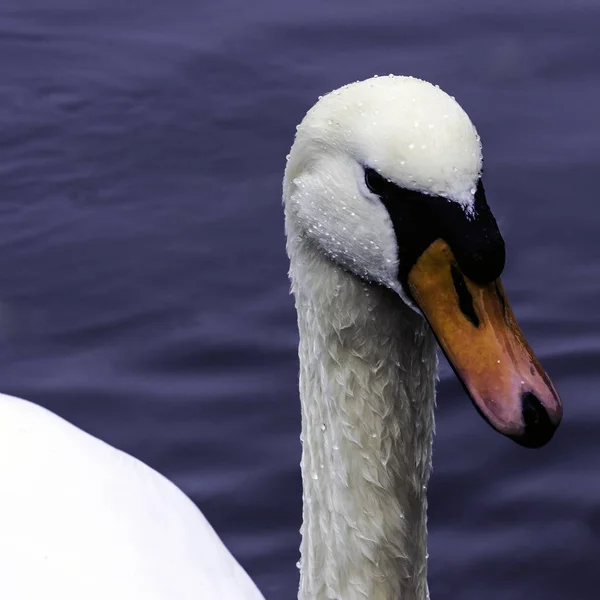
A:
x,y
376,182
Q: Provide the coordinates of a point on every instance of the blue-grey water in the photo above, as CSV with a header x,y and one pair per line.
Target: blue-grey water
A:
x,y
143,288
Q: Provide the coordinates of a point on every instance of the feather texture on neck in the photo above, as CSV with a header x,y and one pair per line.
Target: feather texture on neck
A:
x,y
367,370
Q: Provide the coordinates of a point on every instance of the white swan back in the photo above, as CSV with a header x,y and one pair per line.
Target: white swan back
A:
x,y
80,519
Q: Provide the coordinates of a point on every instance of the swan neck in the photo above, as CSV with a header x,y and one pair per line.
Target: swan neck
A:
x,y
367,370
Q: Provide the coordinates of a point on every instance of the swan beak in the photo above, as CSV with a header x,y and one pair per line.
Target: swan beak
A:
x,y
481,339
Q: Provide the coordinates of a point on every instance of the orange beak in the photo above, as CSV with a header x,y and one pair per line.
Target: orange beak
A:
x,y
481,339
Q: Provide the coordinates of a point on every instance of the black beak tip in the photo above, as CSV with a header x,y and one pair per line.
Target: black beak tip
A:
x,y
538,426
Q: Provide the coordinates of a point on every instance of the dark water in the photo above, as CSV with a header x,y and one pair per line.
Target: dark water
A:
x,y
143,290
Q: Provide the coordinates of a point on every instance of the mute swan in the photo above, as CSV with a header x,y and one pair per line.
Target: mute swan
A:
x,y
386,221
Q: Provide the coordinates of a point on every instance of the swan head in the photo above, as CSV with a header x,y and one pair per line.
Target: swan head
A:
x,y
385,179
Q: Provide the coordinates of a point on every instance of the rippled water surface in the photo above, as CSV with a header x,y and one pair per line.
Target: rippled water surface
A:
x,y
143,289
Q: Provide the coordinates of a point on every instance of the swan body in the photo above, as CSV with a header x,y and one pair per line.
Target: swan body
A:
x,y
391,245
80,519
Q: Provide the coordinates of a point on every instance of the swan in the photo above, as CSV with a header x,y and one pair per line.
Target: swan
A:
x,y
392,245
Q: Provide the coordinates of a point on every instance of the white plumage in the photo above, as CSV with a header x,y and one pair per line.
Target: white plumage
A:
x,y
82,520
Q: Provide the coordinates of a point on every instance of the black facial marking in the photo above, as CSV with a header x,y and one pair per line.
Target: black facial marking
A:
x,y
476,243
377,183
465,300
419,219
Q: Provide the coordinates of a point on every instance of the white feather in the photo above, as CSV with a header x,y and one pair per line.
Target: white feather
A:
x,y
80,519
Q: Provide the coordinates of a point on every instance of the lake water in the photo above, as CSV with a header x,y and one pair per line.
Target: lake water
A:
x,y
143,287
